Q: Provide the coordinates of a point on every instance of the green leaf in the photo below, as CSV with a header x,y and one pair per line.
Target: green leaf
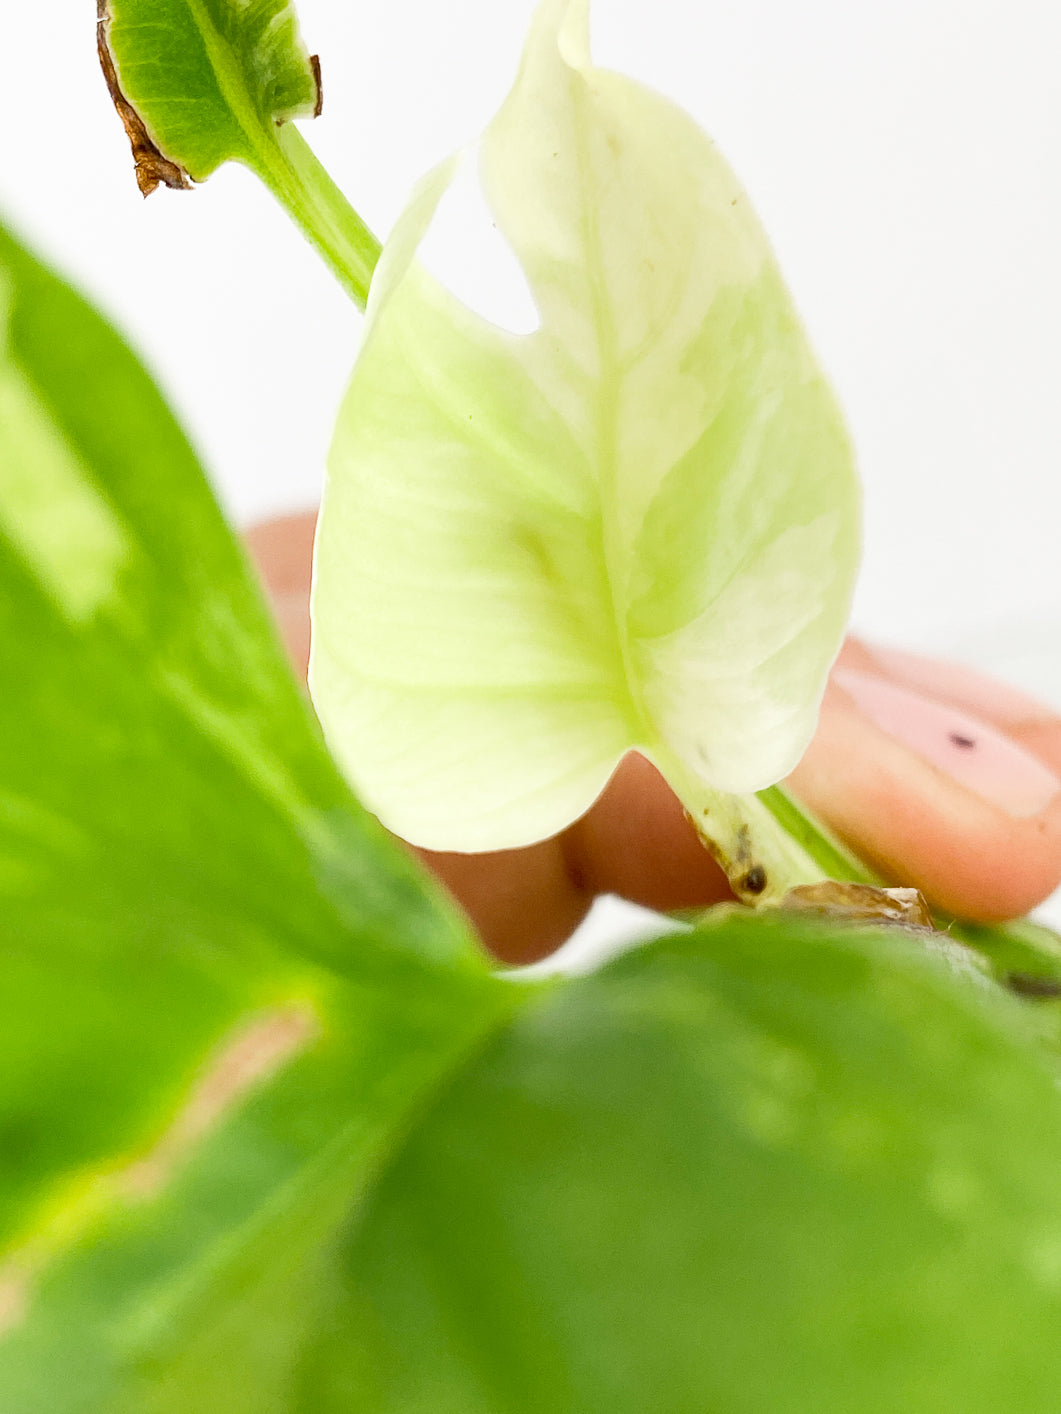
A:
x,y
224,988
763,1167
633,528
210,79
201,82
273,1141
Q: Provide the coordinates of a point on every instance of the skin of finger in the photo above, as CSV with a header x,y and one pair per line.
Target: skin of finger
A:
x,y
952,684
282,552
637,841
1026,721
920,827
523,903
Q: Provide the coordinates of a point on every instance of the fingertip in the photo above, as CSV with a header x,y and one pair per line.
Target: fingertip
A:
x,y
282,550
979,830
523,903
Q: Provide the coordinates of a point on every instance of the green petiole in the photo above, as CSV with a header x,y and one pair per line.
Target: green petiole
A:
x,y
829,855
291,171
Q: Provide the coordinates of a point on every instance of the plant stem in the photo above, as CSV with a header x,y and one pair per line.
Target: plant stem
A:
x,y
833,858
1021,954
292,173
763,856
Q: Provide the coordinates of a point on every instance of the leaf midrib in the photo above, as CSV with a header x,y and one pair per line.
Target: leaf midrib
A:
x,y
233,90
609,385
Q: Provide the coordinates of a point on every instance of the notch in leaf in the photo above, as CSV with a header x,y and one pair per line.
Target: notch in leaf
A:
x,y
634,528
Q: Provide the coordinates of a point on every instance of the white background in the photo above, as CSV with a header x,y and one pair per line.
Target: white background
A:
x,y
905,158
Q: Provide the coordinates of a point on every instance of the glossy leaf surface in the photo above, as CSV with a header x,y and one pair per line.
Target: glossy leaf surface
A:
x,y
223,987
634,527
765,1167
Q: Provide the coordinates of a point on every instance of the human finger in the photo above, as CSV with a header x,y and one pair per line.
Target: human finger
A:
x,y
976,827
944,778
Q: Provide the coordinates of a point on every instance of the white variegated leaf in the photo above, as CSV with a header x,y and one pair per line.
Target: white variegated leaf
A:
x,y
634,528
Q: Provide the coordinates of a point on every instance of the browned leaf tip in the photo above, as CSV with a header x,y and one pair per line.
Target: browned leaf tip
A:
x,y
153,167
315,65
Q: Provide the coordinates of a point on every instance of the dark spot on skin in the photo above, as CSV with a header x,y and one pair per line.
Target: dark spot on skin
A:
x,y
1027,984
754,881
965,742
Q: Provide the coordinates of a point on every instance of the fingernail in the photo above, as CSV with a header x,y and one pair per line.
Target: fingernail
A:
x,y
963,746
953,682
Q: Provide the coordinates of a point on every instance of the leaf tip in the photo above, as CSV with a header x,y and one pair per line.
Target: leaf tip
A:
x,y
572,33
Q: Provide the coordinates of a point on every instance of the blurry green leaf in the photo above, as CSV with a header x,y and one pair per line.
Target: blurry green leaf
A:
x,y
222,988
209,80
272,1141
635,527
764,1167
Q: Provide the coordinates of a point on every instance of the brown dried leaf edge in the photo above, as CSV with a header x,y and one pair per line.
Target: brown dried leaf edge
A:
x,y
153,167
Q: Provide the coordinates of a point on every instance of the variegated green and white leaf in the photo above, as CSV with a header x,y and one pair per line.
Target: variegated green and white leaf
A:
x,y
635,527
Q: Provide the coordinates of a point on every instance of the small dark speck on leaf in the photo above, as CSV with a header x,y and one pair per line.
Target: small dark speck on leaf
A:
x,y
1027,984
965,742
